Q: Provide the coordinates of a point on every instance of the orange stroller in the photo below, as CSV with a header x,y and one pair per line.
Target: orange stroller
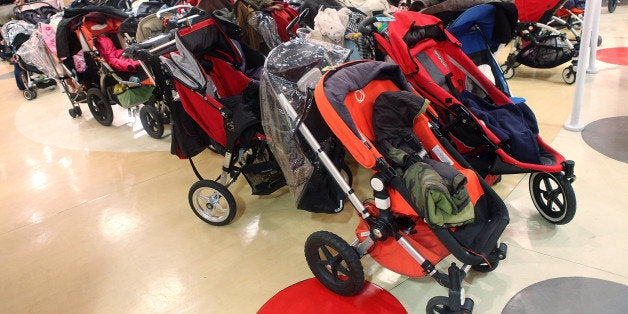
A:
x,y
399,228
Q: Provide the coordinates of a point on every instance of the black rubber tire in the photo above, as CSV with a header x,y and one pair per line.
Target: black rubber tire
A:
x,y
569,75
485,268
152,121
612,5
334,263
75,112
553,197
30,93
206,197
440,304
507,71
99,106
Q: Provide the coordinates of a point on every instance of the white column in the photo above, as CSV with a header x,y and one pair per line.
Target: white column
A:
x,y
573,124
594,35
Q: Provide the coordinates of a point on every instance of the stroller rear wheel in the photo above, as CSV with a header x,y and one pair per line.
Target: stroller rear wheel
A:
x,y
99,106
334,263
30,93
152,121
553,197
212,202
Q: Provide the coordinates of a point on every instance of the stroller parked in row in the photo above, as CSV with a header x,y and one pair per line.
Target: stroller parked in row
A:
x,y
492,132
211,112
110,78
23,41
539,45
401,228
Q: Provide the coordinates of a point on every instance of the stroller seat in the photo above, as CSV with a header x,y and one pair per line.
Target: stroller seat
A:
x,y
397,229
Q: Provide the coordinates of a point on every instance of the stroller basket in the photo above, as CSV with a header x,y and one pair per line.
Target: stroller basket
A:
x,y
263,175
550,52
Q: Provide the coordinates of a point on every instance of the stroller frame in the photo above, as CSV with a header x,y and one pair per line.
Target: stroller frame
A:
x,y
550,180
339,268
211,200
535,32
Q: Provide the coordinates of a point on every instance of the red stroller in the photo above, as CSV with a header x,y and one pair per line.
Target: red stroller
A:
x,y
224,103
495,135
540,45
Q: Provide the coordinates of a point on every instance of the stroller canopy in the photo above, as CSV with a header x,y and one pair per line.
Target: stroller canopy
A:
x,y
485,24
540,11
68,43
16,28
334,95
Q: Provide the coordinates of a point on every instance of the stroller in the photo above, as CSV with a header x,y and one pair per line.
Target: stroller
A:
x,y
539,45
398,228
264,23
494,134
35,12
24,42
226,111
110,78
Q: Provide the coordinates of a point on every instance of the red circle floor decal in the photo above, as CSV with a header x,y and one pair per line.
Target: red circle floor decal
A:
x,y
618,55
310,296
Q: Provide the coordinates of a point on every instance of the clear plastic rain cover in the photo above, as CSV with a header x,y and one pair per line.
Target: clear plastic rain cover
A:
x,y
285,66
34,52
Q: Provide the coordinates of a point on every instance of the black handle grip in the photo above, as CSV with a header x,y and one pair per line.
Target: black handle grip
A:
x,y
366,27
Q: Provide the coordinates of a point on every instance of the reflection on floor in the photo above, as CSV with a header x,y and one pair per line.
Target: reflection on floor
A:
x,y
96,219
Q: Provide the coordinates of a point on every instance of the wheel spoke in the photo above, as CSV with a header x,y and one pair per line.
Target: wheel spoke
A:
x,y
554,198
328,256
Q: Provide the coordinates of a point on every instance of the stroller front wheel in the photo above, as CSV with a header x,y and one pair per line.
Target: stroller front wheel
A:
x,y
507,70
334,263
553,197
212,202
612,5
152,121
569,75
30,93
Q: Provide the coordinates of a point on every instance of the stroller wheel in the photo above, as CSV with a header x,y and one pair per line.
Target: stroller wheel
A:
x,y
508,71
99,106
485,268
212,202
569,75
75,112
440,304
151,121
334,263
30,93
553,197
612,5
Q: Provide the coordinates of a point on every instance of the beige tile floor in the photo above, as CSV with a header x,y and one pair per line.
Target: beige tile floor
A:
x,y
96,219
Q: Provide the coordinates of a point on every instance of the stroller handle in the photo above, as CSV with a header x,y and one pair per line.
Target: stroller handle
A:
x,y
366,27
146,49
295,21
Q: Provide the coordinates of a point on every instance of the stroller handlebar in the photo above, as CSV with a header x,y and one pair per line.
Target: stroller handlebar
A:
x,y
366,27
146,49
295,21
